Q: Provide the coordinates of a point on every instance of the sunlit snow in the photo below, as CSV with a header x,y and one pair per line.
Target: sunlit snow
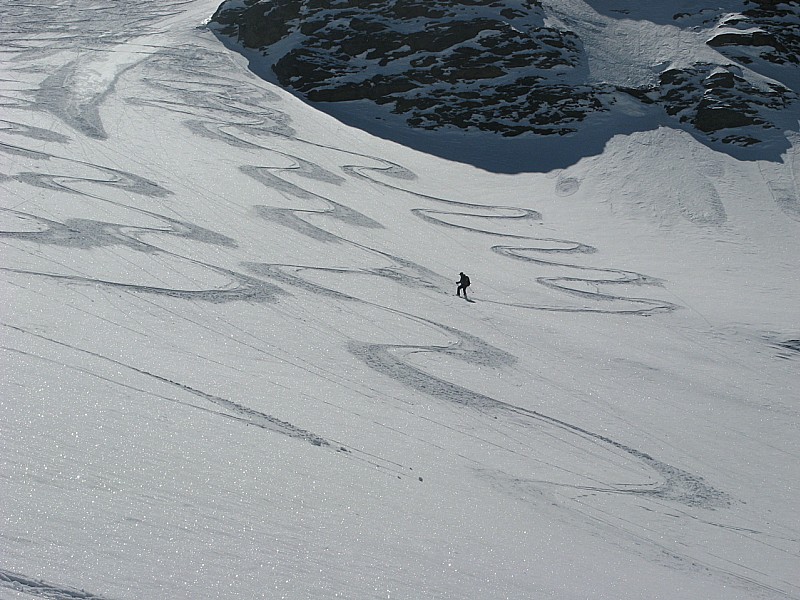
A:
x,y
234,365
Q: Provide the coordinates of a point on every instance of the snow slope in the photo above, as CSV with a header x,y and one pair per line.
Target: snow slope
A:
x,y
233,364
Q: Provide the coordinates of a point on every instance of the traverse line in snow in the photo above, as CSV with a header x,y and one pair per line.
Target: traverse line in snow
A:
x,y
42,589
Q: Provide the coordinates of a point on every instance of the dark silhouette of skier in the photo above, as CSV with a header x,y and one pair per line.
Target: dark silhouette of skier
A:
x,y
463,284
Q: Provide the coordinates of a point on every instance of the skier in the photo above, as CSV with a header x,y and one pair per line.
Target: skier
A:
x,y
463,284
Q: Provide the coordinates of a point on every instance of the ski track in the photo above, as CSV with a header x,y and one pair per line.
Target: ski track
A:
x,y
229,409
195,100
678,485
250,416
546,246
387,359
210,107
783,184
42,589
243,117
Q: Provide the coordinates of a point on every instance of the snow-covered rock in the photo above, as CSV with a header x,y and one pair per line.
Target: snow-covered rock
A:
x,y
518,68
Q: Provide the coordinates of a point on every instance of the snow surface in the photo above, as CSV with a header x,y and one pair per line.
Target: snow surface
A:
x,y
233,364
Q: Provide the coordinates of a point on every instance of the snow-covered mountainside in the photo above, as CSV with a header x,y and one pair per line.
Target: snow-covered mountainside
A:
x,y
729,74
233,364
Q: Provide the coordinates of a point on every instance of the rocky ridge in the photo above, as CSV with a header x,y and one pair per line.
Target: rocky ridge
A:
x,y
503,67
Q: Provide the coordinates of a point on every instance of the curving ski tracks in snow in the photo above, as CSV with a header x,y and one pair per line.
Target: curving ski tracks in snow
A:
x,y
241,119
244,118
391,361
571,285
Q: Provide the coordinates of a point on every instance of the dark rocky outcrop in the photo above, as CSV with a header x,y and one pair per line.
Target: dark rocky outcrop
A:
x,y
712,99
439,63
497,66
766,31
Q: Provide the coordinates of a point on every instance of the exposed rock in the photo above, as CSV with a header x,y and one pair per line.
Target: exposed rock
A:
x,y
434,61
713,118
496,66
750,38
767,30
712,99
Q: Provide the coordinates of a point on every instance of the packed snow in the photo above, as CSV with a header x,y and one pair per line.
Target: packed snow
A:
x,y
234,365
